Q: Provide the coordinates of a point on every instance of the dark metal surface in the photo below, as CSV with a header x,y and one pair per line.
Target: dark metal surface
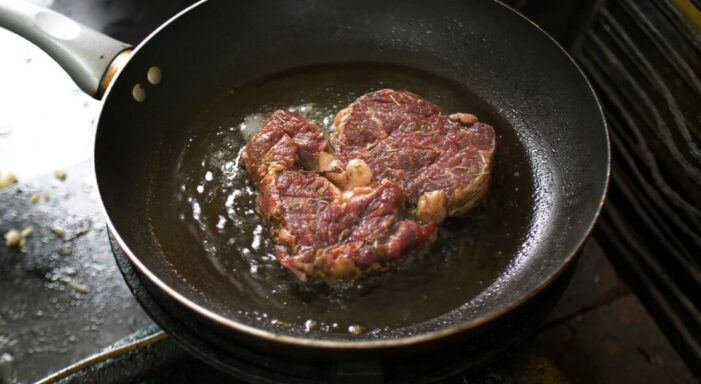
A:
x,y
560,125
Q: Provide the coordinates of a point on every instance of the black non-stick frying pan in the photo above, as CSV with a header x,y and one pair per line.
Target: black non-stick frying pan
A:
x,y
181,208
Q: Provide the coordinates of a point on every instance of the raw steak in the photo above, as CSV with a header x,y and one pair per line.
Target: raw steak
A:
x,y
442,163
321,231
286,138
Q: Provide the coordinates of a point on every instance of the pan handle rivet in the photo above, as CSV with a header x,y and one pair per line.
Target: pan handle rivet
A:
x,y
154,75
139,93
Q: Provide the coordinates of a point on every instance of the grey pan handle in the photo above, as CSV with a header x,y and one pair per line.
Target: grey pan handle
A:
x,y
82,52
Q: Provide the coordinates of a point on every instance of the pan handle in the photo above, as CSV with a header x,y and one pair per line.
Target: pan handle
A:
x,y
85,54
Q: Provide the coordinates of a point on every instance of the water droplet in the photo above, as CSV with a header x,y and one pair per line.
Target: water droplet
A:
x,y
309,325
221,223
257,232
196,211
356,329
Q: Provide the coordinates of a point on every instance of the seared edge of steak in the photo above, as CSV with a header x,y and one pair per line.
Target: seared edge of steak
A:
x,y
467,195
304,138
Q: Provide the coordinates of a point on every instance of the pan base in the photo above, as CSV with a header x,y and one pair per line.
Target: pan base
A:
x,y
204,214
254,365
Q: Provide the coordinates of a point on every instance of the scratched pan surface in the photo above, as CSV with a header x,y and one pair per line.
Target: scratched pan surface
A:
x,y
181,206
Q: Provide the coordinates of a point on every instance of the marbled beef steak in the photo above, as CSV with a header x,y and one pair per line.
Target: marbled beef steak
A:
x,y
321,231
397,169
442,162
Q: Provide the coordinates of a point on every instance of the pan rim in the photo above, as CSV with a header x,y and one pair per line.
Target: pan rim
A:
x,y
388,343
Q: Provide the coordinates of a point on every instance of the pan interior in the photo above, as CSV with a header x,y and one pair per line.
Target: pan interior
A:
x,y
151,157
203,211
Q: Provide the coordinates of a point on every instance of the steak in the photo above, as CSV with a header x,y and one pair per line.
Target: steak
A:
x,y
323,231
442,162
285,139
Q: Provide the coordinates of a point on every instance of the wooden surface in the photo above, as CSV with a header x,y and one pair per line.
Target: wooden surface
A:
x,y
598,333
644,60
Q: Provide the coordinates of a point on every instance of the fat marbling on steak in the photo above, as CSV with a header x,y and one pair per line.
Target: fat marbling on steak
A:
x,y
442,162
322,231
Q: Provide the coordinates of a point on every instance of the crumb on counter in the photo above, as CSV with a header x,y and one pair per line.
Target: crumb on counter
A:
x,y
27,232
13,238
35,197
66,249
60,175
80,232
7,178
58,231
79,287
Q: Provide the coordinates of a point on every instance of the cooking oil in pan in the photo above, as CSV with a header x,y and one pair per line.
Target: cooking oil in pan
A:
x,y
207,223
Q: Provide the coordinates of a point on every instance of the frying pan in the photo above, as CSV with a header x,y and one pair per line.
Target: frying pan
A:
x,y
205,72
